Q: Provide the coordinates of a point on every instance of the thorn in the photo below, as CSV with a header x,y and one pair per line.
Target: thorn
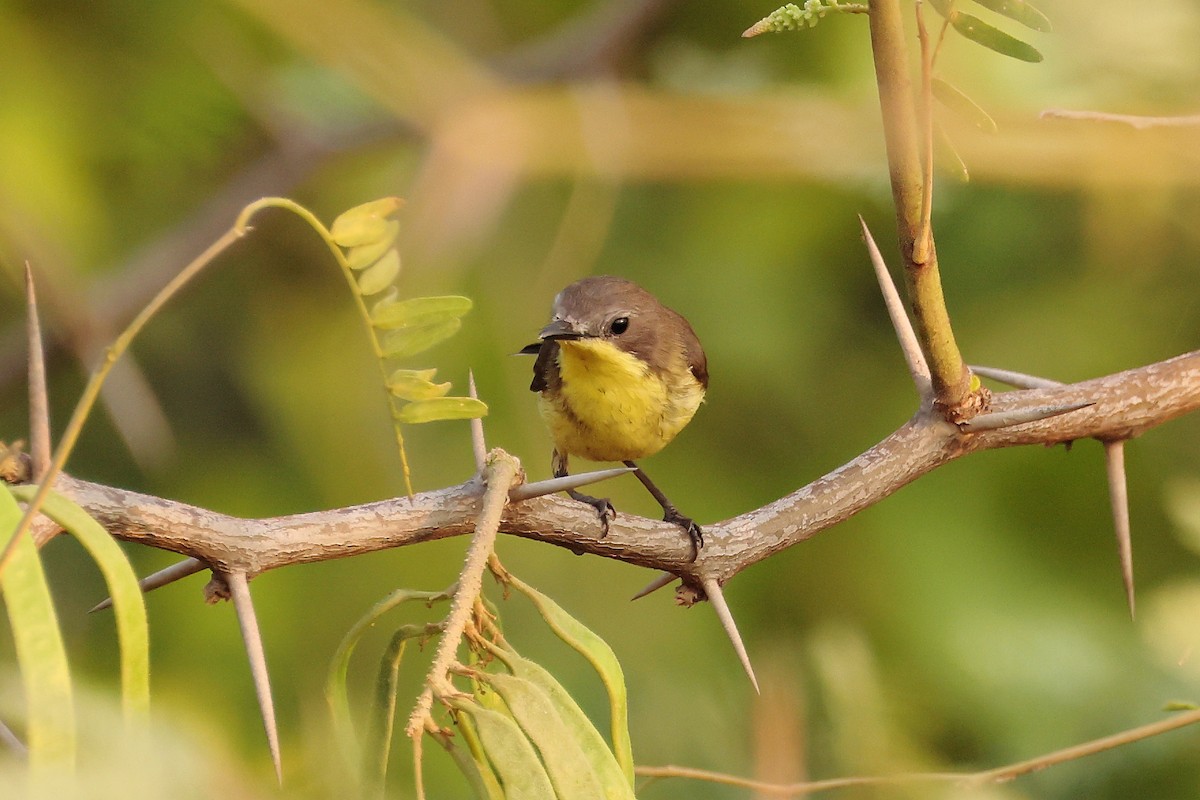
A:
x,y
12,742
39,404
1018,416
909,344
717,598
478,445
178,570
653,586
527,491
1017,379
1118,494
239,589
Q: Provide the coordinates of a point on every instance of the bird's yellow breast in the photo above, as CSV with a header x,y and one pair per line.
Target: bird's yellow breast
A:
x,y
611,406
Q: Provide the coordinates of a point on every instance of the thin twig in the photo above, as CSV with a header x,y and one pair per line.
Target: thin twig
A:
x,y
1118,494
983,777
924,239
39,403
243,604
1133,120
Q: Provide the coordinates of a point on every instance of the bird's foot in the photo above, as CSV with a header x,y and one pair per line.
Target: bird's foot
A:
x,y
688,524
602,505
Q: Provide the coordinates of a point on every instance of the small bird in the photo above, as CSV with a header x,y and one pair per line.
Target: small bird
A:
x,y
619,375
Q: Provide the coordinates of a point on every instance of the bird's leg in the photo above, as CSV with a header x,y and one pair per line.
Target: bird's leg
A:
x,y
603,507
670,512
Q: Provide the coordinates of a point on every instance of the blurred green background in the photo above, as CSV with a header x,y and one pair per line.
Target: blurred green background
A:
x,y
973,619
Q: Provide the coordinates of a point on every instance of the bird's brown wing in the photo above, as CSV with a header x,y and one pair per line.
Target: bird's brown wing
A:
x,y
545,368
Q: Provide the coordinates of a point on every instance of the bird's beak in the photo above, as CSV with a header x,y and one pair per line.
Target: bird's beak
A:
x,y
561,329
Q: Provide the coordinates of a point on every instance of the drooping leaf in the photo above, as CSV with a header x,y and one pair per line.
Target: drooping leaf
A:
x,y
128,602
365,224
993,38
947,157
1020,11
509,752
440,408
582,639
41,655
614,783
419,311
957,101
569,769
380,275
416,384
415,339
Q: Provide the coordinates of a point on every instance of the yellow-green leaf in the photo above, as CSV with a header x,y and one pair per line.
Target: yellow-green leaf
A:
x,y
380,275
993,38
509,752
365,255
578,636
1020,11
416,384
569,770
41,655
129,606
419,311
440,408
365,224
957,101
418,338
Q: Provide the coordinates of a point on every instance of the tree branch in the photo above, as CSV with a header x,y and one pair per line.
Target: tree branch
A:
x,y
1124,405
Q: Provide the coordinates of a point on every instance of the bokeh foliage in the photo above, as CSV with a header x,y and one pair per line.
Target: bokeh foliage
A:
x,y
974,618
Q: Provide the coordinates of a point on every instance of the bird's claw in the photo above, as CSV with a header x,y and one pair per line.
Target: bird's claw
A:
x,y
688,524
603,507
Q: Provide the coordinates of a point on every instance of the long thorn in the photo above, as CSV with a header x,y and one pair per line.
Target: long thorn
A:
x,y
157,580
527,491
239,591
717,598
1118,495
478,445
39,403
1018,416
653,586
909,344
10,740
1017,379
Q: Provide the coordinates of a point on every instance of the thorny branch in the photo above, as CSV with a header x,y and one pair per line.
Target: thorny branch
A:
x,y
1124,405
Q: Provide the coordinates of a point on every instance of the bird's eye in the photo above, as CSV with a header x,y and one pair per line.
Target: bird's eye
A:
x,y
619,325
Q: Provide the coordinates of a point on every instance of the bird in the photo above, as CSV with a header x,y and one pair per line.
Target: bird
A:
x,y
618,375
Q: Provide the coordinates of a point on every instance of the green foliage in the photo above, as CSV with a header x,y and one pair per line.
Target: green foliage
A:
x,y
41,654
525,735
792,17
991,37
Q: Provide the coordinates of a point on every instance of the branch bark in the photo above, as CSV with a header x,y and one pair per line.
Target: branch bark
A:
x,y
1125,404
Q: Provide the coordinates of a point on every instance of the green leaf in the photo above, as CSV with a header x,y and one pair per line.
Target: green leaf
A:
x,y
335,680
577,636
478,761
440,408
416,384
41,656
957,101
367,254
1020,11
365,224
509,752
418,311
380,275
947,157
614,783
409,341
569,769
993,38
129,604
